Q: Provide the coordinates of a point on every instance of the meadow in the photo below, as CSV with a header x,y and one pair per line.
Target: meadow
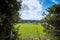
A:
x,y
30,30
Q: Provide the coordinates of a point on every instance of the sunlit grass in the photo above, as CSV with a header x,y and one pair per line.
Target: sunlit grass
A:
x,y
30,28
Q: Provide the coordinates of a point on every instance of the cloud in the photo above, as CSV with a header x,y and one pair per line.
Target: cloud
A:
x,y
31,10
55,1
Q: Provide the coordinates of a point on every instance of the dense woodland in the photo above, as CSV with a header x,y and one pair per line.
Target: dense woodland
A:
x,y
9,17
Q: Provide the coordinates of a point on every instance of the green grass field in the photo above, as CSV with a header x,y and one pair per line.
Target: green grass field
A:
x,y
30,29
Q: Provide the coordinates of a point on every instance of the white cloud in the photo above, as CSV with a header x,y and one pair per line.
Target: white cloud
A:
x,y
55,1
31,10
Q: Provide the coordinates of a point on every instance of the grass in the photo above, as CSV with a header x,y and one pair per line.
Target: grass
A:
x,y
30,29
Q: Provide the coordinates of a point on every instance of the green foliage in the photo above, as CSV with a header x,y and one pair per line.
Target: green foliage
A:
x,y
53,19
8,16
15,32
54,9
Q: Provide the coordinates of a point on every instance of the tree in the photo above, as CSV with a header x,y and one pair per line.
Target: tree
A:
x,y
53,18
8,17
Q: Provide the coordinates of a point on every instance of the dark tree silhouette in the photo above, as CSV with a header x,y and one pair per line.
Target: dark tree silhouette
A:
x,y
8,16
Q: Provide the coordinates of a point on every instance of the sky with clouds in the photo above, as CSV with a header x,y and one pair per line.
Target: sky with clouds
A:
x,y
33,9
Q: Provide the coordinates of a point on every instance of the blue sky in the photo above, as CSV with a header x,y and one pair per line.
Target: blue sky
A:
x,y
32,9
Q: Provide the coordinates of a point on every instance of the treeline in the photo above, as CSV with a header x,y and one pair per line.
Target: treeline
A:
x,y
29,21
